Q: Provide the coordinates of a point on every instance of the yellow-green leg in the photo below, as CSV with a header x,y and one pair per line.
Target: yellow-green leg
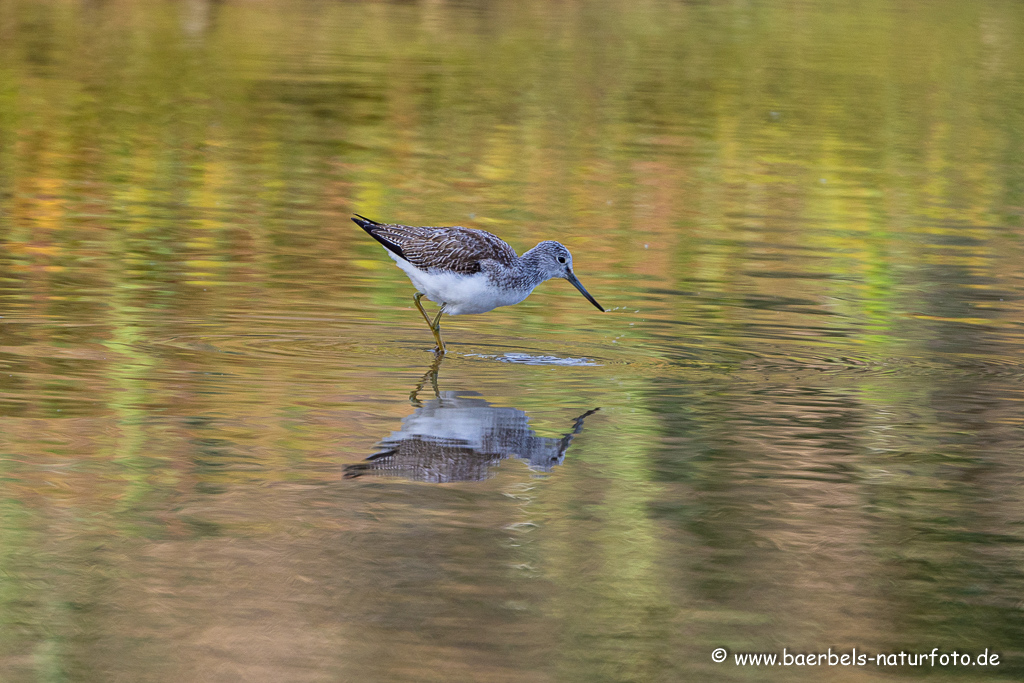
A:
x,y
435,326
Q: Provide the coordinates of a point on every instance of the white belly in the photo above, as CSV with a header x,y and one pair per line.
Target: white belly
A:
x,y
461,294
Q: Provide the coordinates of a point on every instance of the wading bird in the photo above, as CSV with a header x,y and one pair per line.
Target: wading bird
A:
x,y
469,271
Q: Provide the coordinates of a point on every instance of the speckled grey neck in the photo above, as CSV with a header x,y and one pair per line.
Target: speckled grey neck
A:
x,y
529,270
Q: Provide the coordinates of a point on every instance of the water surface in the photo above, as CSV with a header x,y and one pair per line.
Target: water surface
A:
x,y
798,426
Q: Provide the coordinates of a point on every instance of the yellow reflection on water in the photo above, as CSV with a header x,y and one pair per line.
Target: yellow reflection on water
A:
x,y
804,218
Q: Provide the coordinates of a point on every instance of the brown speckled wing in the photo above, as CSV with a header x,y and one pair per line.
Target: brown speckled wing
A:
x,y
459,250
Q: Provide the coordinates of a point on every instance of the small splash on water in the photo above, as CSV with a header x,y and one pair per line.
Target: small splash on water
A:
x,y
530,359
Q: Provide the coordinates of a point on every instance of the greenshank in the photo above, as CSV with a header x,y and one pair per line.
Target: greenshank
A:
x,y
468,271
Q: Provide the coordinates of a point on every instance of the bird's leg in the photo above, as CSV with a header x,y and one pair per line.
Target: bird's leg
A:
x,y
435,325
416,298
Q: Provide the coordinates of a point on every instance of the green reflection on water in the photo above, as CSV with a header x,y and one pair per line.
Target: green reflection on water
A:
x,y
806,217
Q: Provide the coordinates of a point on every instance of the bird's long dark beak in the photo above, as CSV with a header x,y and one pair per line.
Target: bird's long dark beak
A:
x,y
571,277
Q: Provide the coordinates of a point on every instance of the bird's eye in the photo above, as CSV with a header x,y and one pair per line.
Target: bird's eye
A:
x,y
561,259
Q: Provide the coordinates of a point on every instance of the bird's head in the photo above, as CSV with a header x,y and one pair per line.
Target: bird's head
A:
x,y
554,260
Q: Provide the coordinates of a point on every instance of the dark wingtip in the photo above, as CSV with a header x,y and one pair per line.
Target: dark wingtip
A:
x,y
369,225
364,222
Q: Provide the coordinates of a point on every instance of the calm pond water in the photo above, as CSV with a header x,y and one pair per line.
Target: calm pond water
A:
x,y
799,425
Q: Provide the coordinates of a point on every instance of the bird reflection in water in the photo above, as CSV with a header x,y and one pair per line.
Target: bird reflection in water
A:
x,y
458,436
